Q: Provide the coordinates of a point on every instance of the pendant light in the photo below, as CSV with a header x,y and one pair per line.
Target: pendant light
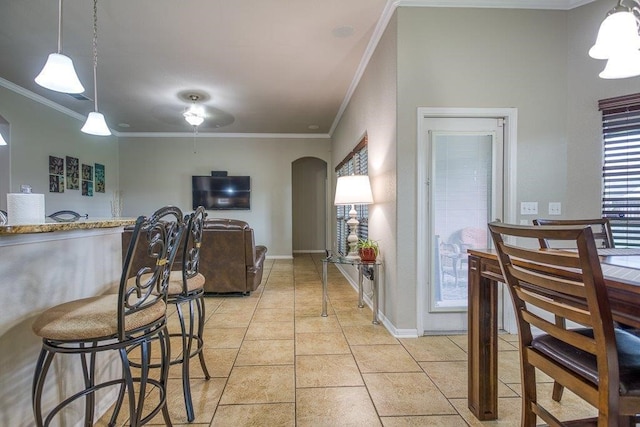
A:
x,y
618,42
58,72
95,124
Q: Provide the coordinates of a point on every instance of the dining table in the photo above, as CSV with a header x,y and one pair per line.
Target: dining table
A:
x,y
621,271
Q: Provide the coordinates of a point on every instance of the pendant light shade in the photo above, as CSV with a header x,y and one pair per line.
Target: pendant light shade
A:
x,y
618,32
618,42
96,125
622,65
58,72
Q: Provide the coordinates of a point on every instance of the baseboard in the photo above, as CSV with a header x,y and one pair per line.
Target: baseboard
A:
x,y
397,333
279,257
309,251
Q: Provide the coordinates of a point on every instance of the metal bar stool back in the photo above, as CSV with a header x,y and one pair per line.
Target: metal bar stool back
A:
x,y
135,317
186,287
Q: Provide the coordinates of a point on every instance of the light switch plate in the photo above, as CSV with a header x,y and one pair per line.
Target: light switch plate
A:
x,y
555,208
528,208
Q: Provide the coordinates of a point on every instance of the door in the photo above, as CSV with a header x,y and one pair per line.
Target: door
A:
x,y
464,173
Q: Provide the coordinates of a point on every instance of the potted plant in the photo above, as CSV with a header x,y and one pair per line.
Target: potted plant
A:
x,y
368,250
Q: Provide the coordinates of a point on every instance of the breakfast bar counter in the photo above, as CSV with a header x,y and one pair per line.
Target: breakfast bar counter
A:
x,y
42,265
83,224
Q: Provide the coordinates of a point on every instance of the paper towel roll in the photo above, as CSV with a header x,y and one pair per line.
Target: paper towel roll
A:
x,y
25,208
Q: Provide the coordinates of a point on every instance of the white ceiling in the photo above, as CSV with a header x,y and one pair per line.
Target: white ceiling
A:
x,y
262,66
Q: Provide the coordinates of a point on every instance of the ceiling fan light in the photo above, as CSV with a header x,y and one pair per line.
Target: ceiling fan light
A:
x,y
96,125
618,32
194,115
622,65
59,74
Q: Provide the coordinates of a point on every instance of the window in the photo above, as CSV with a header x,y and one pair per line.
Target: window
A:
x,y
621,168
355,163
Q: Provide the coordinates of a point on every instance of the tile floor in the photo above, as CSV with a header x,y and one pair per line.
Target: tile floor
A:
x,y
274,361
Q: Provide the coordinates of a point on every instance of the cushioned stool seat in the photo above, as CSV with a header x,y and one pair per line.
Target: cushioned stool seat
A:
x,y
193,283
92,318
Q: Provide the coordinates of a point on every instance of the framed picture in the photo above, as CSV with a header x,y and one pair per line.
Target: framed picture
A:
x,y
87,180
99,178
73,173
56,165
56,184
87,188
87,172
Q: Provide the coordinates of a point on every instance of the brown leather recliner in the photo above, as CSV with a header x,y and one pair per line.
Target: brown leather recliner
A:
x,y
229,259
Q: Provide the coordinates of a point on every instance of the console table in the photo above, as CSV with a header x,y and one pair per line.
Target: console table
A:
x,y
365,269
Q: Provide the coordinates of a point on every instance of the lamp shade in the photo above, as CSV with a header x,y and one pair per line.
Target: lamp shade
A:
x,y
96,125
622,65
353,190
618,32
2,140
59,74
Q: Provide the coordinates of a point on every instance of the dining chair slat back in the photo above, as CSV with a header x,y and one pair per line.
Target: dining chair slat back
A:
x,y
596,361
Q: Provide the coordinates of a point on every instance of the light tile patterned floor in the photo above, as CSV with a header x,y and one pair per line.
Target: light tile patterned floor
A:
x,y
275,361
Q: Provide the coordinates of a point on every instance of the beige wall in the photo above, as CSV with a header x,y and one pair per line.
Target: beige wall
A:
x,y
455,58
372,109
157,171
38,131
585,88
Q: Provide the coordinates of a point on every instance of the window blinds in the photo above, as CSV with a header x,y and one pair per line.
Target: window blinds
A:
x,y
356,163
621,168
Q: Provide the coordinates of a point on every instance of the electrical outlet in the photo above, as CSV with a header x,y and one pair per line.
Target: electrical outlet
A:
x,y
524,222
555,208
528,208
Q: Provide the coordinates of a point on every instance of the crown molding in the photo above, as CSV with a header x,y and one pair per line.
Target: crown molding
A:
x,y
224,135
500,4
40,99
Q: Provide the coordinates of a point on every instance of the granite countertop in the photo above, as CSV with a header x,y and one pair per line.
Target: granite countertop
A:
x,y
81,224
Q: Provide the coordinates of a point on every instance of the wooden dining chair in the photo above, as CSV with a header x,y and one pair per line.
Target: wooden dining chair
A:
x,y
603,236
599,363
600,226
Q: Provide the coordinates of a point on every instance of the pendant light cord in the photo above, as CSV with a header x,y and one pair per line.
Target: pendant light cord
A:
x,y
60,26
95,54
195,134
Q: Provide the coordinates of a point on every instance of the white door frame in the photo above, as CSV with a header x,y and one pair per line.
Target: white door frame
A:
x,y
510,116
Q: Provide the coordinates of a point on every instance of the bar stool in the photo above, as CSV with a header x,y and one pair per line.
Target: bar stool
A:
x,y
186,286
134,317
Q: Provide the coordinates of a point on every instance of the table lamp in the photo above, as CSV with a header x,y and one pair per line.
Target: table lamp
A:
x,y
353,190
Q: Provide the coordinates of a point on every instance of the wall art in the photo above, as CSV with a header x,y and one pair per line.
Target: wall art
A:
x,y
99,178
73,173
56,174
87,180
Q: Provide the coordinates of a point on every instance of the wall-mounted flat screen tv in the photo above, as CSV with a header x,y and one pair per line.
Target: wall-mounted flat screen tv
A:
x,y
221,192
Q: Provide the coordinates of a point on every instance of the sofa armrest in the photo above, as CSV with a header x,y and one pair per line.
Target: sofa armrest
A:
x,y
254,272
